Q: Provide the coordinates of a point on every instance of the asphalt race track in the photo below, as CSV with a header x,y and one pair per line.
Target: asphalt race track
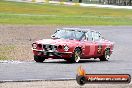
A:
x,y
120,62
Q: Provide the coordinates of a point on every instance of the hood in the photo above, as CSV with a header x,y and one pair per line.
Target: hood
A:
x,y
58,41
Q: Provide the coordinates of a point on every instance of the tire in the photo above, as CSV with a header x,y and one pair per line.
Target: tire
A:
x,y
76,55
39,58
106,55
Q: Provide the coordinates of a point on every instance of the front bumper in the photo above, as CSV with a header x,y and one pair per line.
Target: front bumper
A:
x,y
51,53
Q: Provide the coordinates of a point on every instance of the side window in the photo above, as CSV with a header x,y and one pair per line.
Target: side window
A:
x,y
96,36
89,36
93,36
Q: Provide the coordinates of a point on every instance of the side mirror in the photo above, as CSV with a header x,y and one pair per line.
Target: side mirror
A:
x,y
52,36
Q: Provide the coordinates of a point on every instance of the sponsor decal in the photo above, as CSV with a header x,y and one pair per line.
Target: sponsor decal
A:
x,y
83,78
99,49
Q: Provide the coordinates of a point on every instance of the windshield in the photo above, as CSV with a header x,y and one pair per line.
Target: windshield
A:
x,y
69,34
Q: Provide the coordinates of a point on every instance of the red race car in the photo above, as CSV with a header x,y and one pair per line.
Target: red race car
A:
x,y
73,44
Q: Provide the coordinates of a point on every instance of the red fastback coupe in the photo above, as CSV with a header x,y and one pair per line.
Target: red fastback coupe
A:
x,y
72,45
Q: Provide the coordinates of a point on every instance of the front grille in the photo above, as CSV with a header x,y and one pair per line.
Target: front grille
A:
x,y
47,47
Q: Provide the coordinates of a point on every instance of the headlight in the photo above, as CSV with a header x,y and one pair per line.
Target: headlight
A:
x,y
34,45
66,48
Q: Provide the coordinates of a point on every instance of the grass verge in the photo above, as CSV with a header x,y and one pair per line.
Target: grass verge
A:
x,y
46,14
5,51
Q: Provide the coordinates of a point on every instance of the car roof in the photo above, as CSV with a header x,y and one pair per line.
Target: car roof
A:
x,y
76,29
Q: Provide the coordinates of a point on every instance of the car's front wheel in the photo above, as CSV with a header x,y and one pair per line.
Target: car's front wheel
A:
x,y
39,58
76,55
105,56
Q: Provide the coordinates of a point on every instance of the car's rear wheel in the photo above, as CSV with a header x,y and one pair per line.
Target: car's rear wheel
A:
x,y
76,55
39,58
106,55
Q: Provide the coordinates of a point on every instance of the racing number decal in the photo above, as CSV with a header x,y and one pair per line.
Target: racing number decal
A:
x,y
99,49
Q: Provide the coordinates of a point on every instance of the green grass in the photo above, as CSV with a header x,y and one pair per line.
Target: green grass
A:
x,y
5,51
47,14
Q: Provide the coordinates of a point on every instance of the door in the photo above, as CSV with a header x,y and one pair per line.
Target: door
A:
x,y
89,45
93,46
98,44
